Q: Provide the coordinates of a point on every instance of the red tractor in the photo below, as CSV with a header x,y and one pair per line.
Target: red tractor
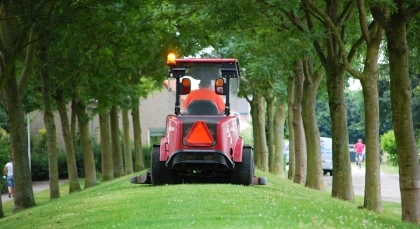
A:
x,y
202,141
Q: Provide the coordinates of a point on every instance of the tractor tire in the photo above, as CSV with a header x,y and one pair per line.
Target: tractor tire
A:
x,y
160,174
244,171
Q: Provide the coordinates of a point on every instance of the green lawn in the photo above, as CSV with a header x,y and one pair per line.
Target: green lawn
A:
x,y
120,204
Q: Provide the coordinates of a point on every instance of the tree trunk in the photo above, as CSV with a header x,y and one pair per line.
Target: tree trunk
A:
x,y
106,153
369,80
50,127
24,196
12,39
74,184
279,120
270,130
117,158
314,166
85,139
401,96
332,60
73,124
342,186
261,132
372,199
135,114
290,99
300,142
128,156
255,133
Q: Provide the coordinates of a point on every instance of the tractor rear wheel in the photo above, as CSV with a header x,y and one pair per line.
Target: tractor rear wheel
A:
x,y
244,171
160,174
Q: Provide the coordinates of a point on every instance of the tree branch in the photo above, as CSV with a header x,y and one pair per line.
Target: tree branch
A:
x,y
354,72
27,66
362,20
379,15
317,45
360,41
411,12
346,12
330,25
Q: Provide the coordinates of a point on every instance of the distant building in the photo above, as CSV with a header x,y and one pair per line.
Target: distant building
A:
x,y
153,112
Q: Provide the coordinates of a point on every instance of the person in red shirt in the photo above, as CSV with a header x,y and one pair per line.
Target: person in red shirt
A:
x,y
205,92
359,148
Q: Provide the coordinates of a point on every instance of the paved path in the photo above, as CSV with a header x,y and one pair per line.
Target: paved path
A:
x,y
37,186
390,187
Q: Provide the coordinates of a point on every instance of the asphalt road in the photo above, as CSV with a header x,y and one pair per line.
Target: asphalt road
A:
x,y
37,186
390,188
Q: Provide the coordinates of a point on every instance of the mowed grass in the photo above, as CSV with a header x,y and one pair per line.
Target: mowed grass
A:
x,y
120,204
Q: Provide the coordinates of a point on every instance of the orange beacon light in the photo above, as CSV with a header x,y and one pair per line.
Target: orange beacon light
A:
x,y
171,59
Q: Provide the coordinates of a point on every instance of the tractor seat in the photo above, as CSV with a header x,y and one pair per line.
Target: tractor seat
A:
x,y
202,107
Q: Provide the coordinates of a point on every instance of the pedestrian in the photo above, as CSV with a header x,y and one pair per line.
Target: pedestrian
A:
x,y
359,148
8,171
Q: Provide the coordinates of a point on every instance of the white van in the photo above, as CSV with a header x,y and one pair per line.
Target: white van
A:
x,y
286,151
326,151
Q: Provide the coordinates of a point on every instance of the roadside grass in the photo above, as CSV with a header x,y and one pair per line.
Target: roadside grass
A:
x,y
120,204
389,169
385,168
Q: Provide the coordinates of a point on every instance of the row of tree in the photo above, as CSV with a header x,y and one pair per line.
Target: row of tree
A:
x,y
296,43
109,53
99,56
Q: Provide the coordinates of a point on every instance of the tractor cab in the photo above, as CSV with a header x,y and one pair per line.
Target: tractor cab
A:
x,y
203,86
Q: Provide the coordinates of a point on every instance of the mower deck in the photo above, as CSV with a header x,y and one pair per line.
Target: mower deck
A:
x,y
147,179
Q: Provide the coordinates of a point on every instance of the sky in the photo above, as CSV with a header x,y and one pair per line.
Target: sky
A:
x,y
354,84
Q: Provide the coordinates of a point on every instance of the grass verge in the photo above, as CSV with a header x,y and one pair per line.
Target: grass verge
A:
x,y
120,204
389,169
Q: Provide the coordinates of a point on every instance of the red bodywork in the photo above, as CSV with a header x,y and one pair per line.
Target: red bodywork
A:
x,y
227,137
201,143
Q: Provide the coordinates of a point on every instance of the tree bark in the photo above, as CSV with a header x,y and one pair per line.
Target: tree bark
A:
x,y
28,64
290,99
50,127
372,36
270,130
332,60
300,142
12,38
255,133
314,166
261,132
74,185
135,114
73,124
117,158
342,186
85,139
106,153
128,156
23,196
372,199
279,120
